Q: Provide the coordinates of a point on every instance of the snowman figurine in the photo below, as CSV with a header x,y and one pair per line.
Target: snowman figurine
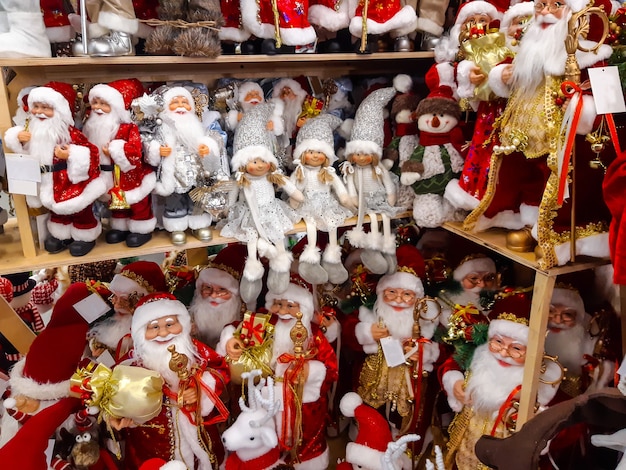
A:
x,y
436,160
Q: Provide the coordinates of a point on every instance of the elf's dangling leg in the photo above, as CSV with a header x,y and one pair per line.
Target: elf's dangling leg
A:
x,y
309,267
372,256
278,276
251,280
337,273
389,245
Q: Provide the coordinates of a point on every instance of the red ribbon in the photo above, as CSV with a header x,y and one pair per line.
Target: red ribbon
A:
x,y
417,385
569,89
257,330
505,406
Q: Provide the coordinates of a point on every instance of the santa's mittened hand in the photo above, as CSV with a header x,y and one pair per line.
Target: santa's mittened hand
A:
x,y
23,136
165,151
407,179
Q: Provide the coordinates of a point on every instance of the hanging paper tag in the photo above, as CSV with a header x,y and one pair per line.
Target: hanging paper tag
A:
x,y
607,90
91,308
622,368
23,174
50,452
106,359
392,349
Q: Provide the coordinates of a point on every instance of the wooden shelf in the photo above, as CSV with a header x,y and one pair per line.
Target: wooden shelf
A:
x,y
168,68
12,259
495,240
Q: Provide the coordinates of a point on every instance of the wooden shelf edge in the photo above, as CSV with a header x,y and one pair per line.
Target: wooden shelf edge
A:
x,y
12,259
495,240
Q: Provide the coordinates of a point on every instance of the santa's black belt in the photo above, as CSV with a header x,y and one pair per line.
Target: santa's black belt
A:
x,y
106,167
52,168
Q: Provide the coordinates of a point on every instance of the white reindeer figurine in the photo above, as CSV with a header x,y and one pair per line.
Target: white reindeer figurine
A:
x,y
252,440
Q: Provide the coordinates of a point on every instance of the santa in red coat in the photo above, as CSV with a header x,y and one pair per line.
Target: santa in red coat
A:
x,y
70,168
109,127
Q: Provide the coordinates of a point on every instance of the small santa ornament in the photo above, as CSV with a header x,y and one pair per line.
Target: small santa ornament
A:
x,y
437,159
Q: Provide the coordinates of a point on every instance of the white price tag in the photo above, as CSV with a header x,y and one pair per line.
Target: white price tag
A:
x,y
50,451
622,368
106,359
23,174
607,90
91,308
392,349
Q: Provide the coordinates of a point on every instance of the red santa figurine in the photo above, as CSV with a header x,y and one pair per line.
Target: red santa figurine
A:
x,y
376,18
70,166
130,179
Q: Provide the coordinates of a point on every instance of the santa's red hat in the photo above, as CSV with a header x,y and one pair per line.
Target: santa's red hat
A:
x,y
44,374
143,277
374,434
298,291
154,306
119,94
225,269
474,263
409,273
61,96
160,464
510,316
569,297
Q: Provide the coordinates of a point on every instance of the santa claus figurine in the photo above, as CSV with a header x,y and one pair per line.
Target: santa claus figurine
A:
x,y
437,159
373,19
186,426
216,302
70,166
129,178
112,333
291,93
182,154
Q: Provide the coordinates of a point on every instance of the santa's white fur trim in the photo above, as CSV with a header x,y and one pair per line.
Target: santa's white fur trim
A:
x,y
314,381
153,154
596,246
198,221
505,219
298,36
448,380
59,33
332,254
178,224
465,89
496,83
133,196
219,278
249,10
588,116
11,140
403,22
329,18
316,145
447,48
332,332
142,226
519,9
458,197
400,280
429,26
244,155
228,33
109,94
510,329
359,454
349,403
60,231
402,83
86,234
151,311
118,22
476,7
23,385
481,264
310,254
94,30
49,96
363,334
116,149
576,5
253,269
122,285
78,163
93,190
529,214
174,465
282,262
315,463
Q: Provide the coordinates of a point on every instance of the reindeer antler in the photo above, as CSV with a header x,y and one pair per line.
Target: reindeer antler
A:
x,y
438,461
251,388
269,404
394,449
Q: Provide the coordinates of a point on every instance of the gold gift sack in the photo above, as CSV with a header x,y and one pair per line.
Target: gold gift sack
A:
x,y
126,392
256,333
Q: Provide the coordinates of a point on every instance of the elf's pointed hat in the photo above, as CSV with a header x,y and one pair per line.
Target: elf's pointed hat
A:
x,y
119,94
317,134
142,277
367,134
252,139
373,436
226,269
44,374
61,96
409,273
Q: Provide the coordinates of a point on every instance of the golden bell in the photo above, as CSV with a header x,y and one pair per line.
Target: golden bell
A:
x,y
520,241
118,200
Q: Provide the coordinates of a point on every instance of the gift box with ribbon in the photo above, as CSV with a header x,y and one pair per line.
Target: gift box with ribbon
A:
x,y
256,333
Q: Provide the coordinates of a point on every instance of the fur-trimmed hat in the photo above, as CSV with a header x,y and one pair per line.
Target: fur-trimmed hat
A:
x,y
154,306
367,135
519,9
225,269
298,291
61,96
44,374
373,436
317,134
143,277
409,273
439,101
510,316
252,139
475,263
119,94
569,297
244,88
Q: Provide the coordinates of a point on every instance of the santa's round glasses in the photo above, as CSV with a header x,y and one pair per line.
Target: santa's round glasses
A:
x,y
514,350
405,295
215,291
477,278
552,7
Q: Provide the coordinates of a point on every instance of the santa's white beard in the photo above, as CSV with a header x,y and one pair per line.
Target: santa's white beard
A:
x,y
100,129
539,48
211,319
248,105
569,345
490,383
155,356
290,115
110,331
45,135
282,341
398,323
187,129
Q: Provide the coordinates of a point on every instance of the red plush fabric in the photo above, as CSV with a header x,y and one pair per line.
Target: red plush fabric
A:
x,y
614,189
